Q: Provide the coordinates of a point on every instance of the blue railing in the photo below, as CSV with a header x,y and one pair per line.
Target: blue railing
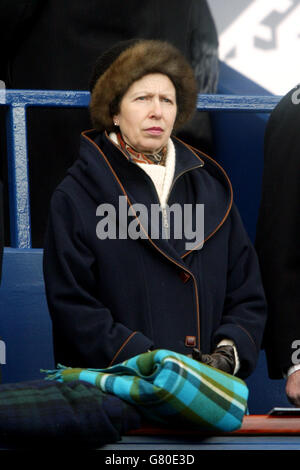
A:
x,y
18,100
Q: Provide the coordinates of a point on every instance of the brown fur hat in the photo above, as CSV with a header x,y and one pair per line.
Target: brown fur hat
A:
x,y
129,61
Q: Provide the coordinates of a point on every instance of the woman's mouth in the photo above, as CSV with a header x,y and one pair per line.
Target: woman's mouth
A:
x,y
154,130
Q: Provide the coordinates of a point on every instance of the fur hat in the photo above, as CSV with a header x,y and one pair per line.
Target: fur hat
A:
x,y
129,61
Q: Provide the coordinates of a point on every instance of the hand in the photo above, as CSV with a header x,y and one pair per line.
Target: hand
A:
x,y
222,358
292,388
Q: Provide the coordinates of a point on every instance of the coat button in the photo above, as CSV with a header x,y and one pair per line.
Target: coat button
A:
x,y
184,276
190,341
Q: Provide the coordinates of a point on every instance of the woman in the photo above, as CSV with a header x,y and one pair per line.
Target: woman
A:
x,y
122,278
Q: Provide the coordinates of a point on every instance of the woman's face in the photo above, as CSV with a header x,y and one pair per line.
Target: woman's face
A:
x,y
148,112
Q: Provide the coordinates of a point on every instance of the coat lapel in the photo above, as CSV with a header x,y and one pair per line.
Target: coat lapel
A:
x,y
131,191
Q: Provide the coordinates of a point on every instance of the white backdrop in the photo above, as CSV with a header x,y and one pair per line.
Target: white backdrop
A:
x,y
260,39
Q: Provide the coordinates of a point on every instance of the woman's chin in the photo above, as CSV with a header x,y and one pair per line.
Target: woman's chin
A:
x,y
151,145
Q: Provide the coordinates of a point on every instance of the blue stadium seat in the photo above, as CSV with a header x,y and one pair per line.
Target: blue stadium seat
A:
x,y
24,321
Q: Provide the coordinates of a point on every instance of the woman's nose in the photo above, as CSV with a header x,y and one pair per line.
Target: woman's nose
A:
x,y
156,108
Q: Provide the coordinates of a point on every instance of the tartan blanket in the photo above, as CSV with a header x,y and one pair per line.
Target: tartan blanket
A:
x,y
170,388
37,413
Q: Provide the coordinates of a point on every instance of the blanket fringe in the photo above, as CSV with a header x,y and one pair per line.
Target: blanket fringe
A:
x,y
54,374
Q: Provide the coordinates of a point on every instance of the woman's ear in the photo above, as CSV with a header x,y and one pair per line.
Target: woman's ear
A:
x,y
116,119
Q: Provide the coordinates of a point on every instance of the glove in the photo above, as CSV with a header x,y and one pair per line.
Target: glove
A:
x,y
222,358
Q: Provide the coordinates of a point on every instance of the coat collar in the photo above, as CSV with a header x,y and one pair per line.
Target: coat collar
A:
x,y
122,177
188,158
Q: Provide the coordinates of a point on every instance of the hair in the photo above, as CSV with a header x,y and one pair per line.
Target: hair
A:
x,y
126,62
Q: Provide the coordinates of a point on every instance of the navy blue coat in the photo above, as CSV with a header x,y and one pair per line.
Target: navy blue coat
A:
x,y
111,299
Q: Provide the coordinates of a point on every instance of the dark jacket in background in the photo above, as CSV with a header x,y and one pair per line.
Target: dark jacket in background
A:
x,y
111,299
278,230
53,44
1,242
1,228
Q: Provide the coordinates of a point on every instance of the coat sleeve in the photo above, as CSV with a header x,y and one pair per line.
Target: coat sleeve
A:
x,y
245,309
84,331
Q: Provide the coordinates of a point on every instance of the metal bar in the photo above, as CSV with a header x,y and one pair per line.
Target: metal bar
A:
x,y
237,103
48,98
19,203
17,102
61,98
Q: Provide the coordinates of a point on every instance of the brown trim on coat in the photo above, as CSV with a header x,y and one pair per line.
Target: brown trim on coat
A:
x,y
122,347
146,233
247,333
193,150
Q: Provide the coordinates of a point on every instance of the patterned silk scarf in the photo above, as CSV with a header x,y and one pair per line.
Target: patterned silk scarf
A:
x,y
158,158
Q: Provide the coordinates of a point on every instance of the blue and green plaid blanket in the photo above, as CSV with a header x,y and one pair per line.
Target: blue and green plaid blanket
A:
x,y
170,388
40,413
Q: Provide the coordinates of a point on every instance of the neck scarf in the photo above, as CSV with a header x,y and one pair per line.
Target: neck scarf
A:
x,y
158,158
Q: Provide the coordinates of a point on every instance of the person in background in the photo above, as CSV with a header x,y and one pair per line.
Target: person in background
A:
x,y
277,242
1,243
120,281
1,229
